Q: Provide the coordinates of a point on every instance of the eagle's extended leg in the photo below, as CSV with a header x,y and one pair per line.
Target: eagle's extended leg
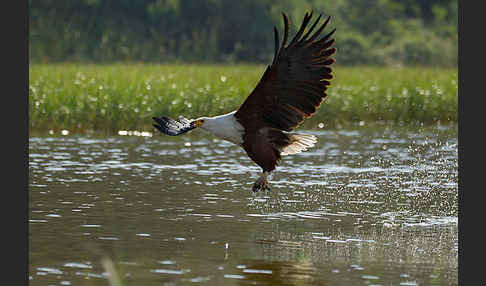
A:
x,y
261,183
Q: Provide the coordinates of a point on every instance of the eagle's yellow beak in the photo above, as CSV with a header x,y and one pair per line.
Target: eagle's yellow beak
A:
x,y
198,123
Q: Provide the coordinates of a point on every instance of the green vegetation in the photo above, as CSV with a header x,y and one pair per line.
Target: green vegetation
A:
x,y
111,65
376,32
116,97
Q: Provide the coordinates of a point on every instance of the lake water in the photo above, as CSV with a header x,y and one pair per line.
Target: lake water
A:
x,y
367,206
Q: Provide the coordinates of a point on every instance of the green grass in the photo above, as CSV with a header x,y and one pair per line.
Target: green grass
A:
x,y
108,98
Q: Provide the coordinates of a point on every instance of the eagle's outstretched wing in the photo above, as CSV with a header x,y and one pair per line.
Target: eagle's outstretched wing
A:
x,y
294,85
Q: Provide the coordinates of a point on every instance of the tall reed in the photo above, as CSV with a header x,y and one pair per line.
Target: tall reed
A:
x,y
108,98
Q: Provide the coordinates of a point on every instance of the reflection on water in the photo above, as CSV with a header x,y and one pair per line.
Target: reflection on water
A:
x,y
373,206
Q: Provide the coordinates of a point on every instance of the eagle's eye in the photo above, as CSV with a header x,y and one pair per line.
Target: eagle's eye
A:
x,y
198,123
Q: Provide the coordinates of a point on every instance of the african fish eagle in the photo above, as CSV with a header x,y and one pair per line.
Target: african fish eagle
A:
x,y
290,90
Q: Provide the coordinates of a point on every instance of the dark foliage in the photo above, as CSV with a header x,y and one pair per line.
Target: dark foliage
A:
x,y
407,32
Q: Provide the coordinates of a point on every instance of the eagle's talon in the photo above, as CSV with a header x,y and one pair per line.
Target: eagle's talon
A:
x,y
261,183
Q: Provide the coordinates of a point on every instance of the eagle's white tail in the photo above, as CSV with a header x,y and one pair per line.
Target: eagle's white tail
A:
x,y
299,143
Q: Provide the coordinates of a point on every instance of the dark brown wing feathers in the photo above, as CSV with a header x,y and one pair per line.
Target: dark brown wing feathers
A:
x,y
286,29
310,30
301,30
290,90
277,42
296,80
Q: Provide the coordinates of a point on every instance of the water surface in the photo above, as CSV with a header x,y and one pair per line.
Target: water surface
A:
x,y
367,206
